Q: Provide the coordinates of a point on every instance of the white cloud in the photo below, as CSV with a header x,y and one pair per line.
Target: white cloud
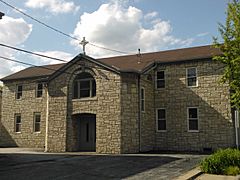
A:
x,y
56,54
124,28
12,32
150,15
203,34
53,6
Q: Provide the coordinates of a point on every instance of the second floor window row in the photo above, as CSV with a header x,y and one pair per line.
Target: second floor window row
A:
x,y
191,78
38,91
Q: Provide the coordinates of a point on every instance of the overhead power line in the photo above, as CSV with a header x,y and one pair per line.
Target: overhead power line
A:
x,y
40,22
48,68
30,52
61,32
32,65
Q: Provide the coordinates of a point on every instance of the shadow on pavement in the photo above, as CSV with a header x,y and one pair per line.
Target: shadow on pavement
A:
x,y
41,166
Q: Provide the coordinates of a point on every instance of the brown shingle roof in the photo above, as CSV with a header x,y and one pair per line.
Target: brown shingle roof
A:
x,y
128,63
31,72
131,62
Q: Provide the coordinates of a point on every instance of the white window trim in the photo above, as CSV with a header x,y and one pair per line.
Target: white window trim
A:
x,y
37,90
143,99
156,79
16,94
34,121
157,130
15,123
187,77
90,90
188,119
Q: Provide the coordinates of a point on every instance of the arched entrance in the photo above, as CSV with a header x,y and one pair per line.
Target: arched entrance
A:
x,y
85,131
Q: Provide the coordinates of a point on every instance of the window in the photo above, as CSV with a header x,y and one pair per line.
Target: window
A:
x,y
84,85
160,79
37,122
19,92
193,119
142,99
39,90
161,120
192,77
18,122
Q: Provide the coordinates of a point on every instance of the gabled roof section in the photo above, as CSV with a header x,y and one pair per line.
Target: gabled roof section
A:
x,y
118,64
34,72
78,58
135,63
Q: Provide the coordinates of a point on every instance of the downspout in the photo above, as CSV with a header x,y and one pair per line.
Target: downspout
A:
x,y
47,114
236,114
139,110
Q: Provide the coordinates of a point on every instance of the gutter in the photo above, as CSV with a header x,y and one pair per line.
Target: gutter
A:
x,y
47,114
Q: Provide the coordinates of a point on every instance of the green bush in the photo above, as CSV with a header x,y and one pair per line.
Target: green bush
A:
x,y
222,162
232,170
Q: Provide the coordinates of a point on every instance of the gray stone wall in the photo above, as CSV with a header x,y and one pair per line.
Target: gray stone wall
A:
x,y
211,98
106,106
129,114
27,106
148,126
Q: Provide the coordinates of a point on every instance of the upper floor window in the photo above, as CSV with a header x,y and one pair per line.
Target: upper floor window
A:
x,y
192,77
193,119
39,90
37,122
18,122
161,119
84,85
160,79
142,99
19,91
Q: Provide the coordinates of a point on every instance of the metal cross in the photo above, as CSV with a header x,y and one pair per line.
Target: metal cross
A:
x,y
84,43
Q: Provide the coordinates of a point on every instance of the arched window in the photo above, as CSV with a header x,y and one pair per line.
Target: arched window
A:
x,y
84,86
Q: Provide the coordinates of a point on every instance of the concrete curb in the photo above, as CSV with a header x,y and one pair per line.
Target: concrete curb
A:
x,y
192,174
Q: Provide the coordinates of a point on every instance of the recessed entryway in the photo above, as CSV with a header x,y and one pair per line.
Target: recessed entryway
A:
x,y
85,132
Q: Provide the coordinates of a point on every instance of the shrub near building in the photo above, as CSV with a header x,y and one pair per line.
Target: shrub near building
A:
x,y
224,162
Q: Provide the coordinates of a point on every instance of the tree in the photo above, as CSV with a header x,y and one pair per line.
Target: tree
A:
x,y
230,33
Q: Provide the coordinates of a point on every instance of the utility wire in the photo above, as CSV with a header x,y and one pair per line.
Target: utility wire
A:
x,y
101,47
40,22
30,52
32,65
58,31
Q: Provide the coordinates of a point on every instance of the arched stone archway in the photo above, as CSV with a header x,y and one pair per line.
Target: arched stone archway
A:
x,y
84,132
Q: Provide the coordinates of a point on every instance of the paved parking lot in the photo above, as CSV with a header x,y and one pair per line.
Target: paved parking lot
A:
x,y
26,165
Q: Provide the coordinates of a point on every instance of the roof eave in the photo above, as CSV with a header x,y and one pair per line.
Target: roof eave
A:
x,y
43,78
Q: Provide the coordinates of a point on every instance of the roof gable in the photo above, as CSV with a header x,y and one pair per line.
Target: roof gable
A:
x,y
76,59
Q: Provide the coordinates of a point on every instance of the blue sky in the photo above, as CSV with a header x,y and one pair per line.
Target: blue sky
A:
x,y
124,25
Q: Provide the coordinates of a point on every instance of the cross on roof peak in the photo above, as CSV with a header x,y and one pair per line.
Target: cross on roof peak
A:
x,y
84,43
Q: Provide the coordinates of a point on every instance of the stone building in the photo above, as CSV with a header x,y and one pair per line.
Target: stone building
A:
x,y
169,100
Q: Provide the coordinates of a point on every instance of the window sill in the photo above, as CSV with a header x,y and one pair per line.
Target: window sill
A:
x,y
85,99
161,131
37,132
18,132
160,89
193,131
192,86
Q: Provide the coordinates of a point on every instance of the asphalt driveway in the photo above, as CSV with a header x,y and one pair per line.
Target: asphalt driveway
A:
x,y
23,166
